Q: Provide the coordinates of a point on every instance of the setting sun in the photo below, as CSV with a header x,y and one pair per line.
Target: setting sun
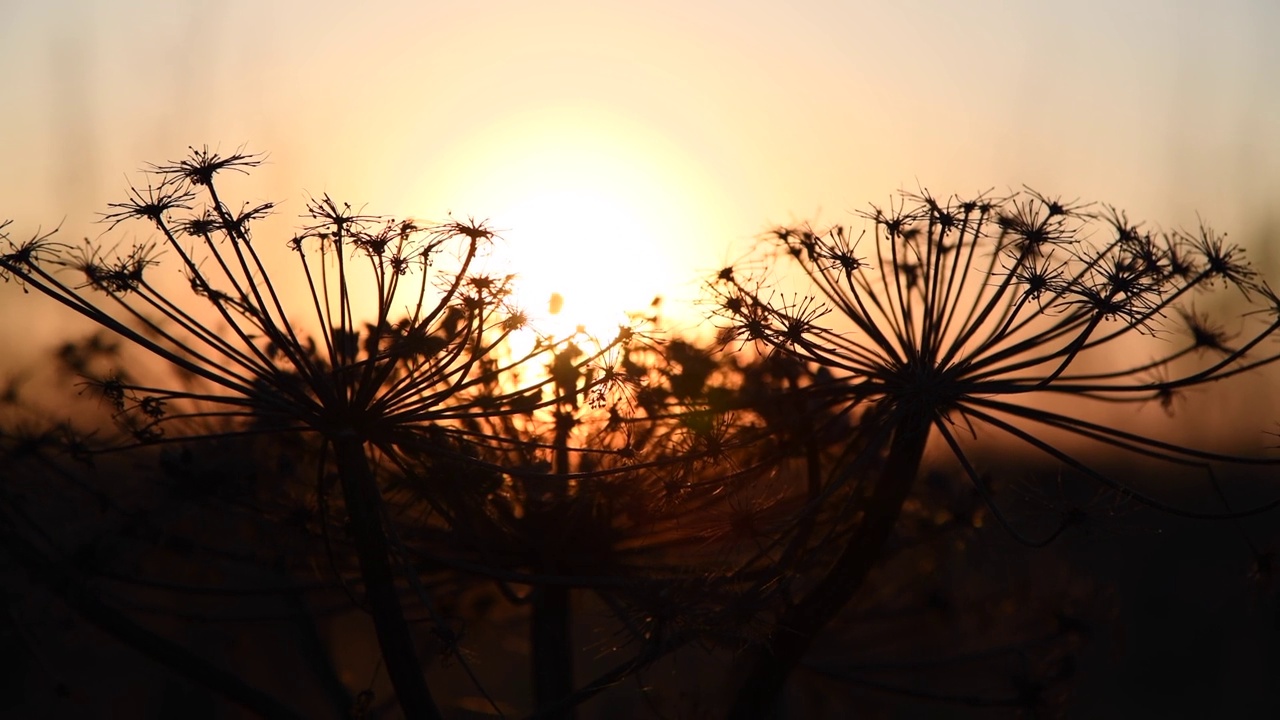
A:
x,y
598,213
587,248
581,360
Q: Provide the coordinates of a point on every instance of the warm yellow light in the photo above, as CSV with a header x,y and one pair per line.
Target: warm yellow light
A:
x,y
583,256
592,208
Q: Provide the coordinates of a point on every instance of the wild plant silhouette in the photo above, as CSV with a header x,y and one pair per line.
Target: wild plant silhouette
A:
x,y
616,467
707,508
374,385
964,318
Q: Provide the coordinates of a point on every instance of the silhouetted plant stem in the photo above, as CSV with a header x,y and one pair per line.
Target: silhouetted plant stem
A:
x,y
813,478
759,698
552,648
364,503
551,637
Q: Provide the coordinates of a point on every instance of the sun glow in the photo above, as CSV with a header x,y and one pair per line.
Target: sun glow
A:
x,y
583,257
597,216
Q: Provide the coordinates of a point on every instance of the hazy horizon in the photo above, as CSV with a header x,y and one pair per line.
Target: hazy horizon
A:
x,y
673,133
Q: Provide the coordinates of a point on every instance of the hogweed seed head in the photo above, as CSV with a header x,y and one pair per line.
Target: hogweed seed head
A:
x,y
417,351
966,312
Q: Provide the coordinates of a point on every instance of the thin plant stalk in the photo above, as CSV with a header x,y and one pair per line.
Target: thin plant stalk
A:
x,y
551,609
395,639
377,391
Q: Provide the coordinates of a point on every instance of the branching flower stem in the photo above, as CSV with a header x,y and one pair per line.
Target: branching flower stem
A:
x,y
364,507
371,383
968,313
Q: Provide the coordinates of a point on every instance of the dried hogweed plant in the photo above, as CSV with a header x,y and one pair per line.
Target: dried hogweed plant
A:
x,y
637,505
390,353
1005,317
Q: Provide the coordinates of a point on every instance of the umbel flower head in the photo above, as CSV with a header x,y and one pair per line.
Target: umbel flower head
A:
x,y
1002,317
1006,314
395,346
395,329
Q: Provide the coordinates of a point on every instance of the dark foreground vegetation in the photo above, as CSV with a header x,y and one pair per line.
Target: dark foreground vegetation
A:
x,y
359,484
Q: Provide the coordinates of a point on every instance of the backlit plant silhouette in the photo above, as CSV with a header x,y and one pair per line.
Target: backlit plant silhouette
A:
x,y
640,503
386,355
1000,318
695,500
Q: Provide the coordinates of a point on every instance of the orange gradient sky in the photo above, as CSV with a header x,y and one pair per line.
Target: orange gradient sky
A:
x,y
628,149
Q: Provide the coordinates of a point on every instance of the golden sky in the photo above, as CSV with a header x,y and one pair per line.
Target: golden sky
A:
x,y
628,149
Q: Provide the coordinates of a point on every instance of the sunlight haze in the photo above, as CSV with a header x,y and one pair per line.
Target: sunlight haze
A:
x,y
627,151
671,359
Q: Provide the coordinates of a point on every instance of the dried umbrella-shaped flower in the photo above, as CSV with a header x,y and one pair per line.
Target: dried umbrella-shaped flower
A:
x,y
961,317
380,393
